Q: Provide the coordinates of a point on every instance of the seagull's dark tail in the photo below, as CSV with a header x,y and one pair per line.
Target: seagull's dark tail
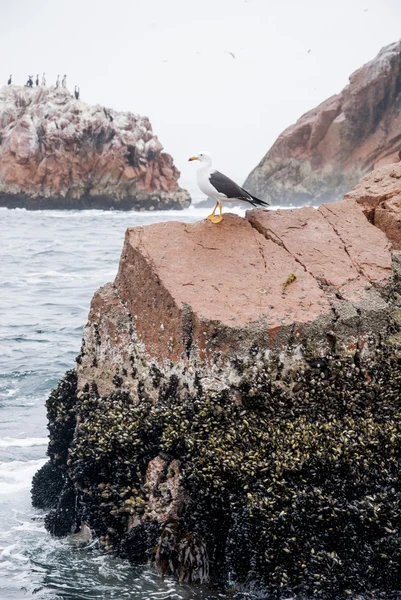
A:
x,y
256,201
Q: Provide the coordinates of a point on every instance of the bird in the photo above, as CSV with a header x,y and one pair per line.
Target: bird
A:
x,y
37,80
107,114
58,81
9,80
76,92
64,82
230,53
220,187
44,80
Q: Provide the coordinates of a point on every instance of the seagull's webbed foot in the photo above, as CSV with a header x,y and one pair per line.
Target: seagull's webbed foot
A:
x,y
213,217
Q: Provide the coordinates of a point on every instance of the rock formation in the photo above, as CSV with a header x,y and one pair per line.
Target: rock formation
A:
x,y
332,146
59,152
379,193
234,414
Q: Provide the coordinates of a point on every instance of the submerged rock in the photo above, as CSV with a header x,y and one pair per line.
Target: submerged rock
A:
x,y
59,152
328,150
235,414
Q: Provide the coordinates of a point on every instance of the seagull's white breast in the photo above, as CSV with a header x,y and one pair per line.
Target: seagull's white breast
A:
x,y
205,186
202,176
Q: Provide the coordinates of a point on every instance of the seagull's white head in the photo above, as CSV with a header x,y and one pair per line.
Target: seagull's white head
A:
x,y
203,157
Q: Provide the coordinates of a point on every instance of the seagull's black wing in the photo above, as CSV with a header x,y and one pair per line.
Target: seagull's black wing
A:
x,y
232,190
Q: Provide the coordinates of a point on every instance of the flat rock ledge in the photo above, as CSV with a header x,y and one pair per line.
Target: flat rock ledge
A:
x,y
234,414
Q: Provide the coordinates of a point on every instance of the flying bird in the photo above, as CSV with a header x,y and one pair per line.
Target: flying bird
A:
x,y
221,188
227,52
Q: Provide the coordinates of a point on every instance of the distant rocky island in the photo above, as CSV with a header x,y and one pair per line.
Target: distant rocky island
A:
x,y
331,147
59,152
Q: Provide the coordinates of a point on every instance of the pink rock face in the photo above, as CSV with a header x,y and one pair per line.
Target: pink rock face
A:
x,y
331,147
379,194
59,152
330,243
200,294
197,285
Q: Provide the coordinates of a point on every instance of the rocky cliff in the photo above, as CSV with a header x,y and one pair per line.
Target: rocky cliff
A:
x,y
59,152
234,414
331,147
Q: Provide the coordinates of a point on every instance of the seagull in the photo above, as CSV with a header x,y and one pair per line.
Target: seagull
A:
x,y
221,188
230,53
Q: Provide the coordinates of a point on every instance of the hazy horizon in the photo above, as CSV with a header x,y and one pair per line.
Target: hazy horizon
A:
x,y
172,62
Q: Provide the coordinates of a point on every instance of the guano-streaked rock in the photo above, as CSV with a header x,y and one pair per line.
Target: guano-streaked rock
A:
x,y
59,152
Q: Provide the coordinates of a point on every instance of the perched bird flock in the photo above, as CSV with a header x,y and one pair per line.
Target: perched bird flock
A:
x,y
42,83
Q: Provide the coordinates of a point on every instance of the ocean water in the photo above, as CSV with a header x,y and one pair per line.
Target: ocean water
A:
x,y
51,262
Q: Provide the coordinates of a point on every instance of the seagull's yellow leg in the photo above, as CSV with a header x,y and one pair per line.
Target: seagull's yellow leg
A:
x,y
212,215
214,218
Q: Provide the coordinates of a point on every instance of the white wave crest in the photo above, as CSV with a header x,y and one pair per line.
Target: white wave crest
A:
x,y
8,442
16,475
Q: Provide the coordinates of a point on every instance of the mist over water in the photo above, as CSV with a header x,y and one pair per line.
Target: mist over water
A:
x,y
51,264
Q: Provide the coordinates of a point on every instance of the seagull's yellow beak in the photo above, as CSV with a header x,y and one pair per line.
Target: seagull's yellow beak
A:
x,y
193,158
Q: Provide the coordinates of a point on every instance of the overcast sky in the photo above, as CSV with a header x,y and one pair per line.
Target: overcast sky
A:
x,y
170,60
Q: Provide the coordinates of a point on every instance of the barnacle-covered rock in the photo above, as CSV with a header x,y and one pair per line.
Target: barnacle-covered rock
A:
x,y
230,428
47,485
182,554
49,481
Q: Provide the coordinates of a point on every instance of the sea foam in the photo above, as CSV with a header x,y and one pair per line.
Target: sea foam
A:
x,y
8,442
16,475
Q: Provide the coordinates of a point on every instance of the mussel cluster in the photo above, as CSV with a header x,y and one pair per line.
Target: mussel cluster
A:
x,y
291,477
